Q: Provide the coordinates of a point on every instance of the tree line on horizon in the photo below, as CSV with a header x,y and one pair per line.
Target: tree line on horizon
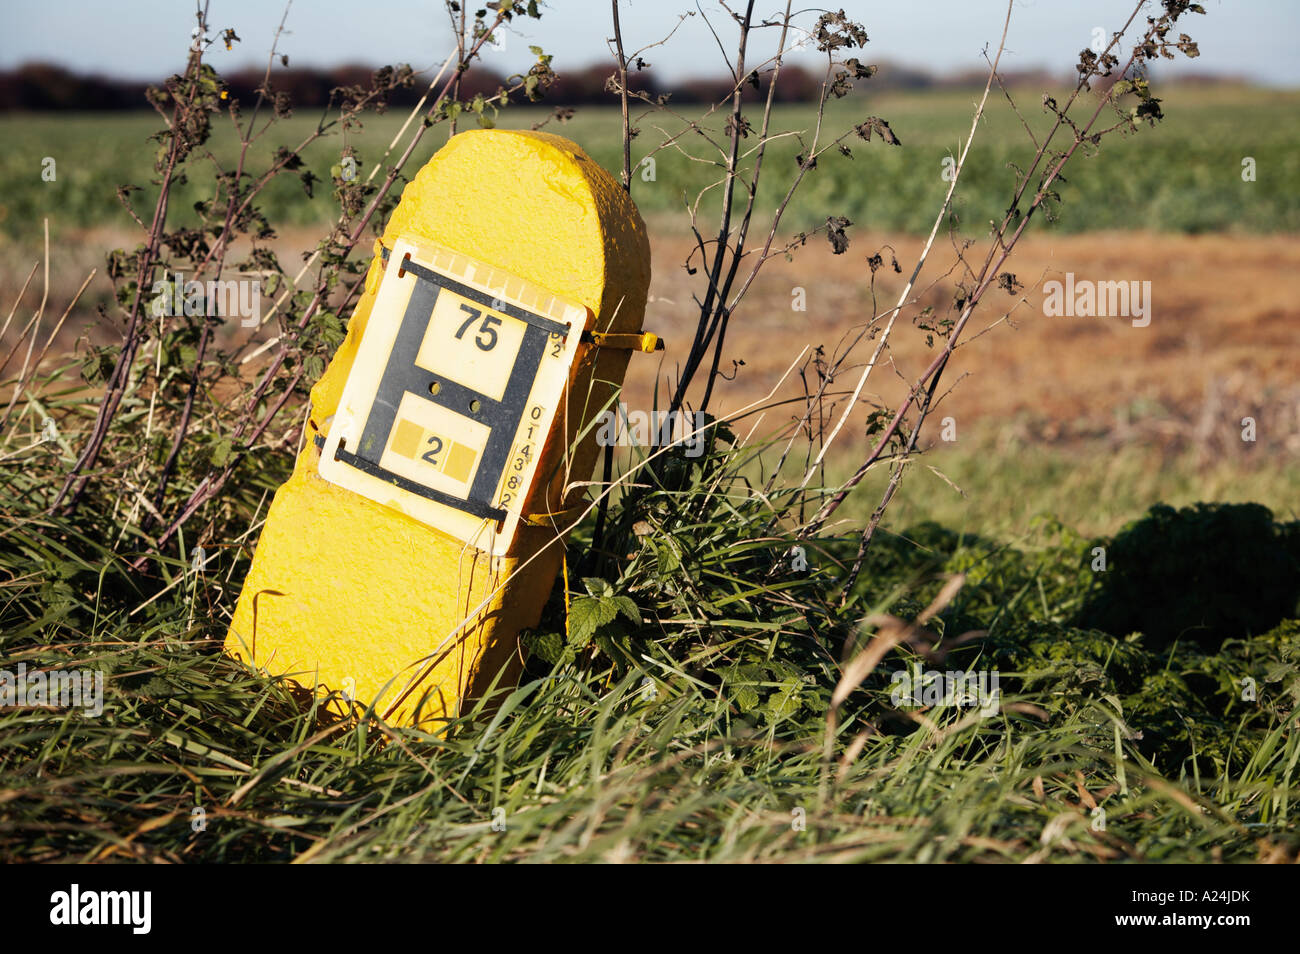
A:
x,y
41,87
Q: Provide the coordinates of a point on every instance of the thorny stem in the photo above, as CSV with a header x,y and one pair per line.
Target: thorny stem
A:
x,y
607,457
622,96
115,388
1000,250
210,485
700,344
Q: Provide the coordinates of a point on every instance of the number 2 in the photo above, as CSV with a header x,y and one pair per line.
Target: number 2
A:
x,y
430,455
486,328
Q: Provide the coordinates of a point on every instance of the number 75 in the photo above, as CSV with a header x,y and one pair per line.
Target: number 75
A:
x,y
485,329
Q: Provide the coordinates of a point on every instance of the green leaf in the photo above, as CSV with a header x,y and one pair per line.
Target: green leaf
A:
x,y
595,586
627,606
221,452
586,615
667,559
547,646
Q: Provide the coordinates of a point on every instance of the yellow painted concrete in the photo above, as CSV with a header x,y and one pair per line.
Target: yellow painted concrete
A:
x,y
351,595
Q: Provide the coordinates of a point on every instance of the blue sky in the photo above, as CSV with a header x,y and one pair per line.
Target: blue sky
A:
x,y
146,38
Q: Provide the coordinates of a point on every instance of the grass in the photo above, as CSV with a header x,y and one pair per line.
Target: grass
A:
x,y
700,734
589,774
1096,489
1183,175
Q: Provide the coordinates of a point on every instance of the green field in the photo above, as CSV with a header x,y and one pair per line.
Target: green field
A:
x,y
1182,175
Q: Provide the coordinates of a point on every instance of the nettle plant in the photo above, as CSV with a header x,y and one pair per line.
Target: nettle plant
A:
x,y
719,528
196,382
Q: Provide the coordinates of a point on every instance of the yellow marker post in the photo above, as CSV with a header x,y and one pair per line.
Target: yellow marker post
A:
x,y
412,543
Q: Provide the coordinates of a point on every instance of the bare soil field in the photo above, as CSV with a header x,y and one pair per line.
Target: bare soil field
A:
x,y
1223,341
